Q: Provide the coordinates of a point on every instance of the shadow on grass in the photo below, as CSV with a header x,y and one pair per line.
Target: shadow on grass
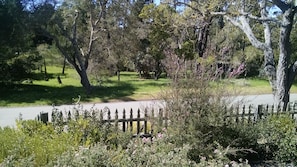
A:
x,y
30,94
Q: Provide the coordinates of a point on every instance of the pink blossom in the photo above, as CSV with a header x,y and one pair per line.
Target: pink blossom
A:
x,y
146,140
160,135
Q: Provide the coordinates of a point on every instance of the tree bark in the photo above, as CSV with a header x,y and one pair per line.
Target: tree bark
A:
x,y
282,77
64,66
283,71
202,36
84,80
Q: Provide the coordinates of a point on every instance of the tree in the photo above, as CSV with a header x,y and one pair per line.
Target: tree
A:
x,y
282,75
265,13
17,55
75,27
159,21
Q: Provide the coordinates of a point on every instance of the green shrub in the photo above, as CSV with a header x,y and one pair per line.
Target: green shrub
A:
x,y
35,143
196,108
8,138
277,135
157,151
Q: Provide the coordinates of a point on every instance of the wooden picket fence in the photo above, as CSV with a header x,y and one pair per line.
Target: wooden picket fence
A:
x,y
251,114
140,122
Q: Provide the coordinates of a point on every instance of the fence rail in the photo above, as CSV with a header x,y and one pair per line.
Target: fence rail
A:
x,y
145,121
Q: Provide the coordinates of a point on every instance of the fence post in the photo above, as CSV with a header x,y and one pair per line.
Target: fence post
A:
x,y
237,114
225,115
85,114
138,121
259,111
145,121
243,114
108,115
76,115
60,118
288,108
273,107
166,118
160,119
294,109
124,120
131,120
230,115
266,112
116,120
44,117
153,122
279,108
69,116
249,114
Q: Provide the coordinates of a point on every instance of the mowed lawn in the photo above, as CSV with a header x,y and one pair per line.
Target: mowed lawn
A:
x,y
41,92
129,88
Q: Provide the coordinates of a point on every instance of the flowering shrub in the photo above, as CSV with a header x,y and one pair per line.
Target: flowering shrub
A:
x,y
156,151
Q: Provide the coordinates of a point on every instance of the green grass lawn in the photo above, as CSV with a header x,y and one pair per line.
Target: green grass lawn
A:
x,y
254,86
130,88
42,92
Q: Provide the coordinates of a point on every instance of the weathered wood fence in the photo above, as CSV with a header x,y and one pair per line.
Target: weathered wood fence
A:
x,y
139,122
145,121
251,114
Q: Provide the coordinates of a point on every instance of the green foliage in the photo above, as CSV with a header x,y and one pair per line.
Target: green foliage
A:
x,y
159,20
196,108
88,129
140,152
21,67
8,138
277,134
33,143
16,58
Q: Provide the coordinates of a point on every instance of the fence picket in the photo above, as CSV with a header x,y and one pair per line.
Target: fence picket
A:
x,y
249,114
116,120
237,114
108,115
145,121
124,120
278,109
153,122
160,117
131,121
166,118
243,114
138,121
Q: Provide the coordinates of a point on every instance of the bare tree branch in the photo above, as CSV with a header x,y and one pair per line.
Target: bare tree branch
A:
x,y
243,24
282,5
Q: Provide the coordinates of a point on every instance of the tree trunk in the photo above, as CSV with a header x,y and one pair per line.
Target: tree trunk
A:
x,y
202,36
64,65
119,75
84,80
45,71
282,77
283,71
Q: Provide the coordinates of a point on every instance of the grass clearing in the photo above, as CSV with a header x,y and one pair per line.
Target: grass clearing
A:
x,y
42,92
129,88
